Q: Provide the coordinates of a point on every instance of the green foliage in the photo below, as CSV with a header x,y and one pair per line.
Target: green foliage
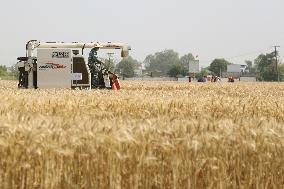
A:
x,y
150,58
3,70
201,74
281,72
217,65
6,74
110,65
177,69
162,61
127,66
249,63
168,62
266,67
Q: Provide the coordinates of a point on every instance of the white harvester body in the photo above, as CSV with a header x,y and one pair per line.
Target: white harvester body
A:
x,y
59,65
54,68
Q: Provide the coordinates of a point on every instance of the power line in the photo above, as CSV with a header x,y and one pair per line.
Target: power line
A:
x,y
242,55
248,53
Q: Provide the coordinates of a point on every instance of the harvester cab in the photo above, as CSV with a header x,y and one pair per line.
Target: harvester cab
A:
x,y
60,65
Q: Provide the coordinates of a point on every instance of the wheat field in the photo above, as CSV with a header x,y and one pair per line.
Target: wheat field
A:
x,y
148,135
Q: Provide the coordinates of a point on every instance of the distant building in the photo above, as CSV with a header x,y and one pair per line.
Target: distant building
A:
x,y
193,66
244,68
236,68
138,72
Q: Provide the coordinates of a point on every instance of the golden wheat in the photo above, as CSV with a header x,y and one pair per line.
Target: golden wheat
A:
x,y
147,135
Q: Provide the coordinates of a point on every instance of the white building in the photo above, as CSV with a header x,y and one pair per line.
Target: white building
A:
x,y
236,68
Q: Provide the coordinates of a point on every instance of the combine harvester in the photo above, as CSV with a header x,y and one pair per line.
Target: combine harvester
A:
x,y
59,65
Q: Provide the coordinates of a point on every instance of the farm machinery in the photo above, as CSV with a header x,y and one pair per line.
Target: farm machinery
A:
x,y
61,65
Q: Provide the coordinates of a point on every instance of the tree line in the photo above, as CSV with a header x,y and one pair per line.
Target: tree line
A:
x,y
6,73
168,63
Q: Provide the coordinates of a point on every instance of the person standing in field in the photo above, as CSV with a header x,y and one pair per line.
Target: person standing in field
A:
x,y
231,79
189,79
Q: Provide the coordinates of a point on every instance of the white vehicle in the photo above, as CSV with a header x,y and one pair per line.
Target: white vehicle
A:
x,y
59,65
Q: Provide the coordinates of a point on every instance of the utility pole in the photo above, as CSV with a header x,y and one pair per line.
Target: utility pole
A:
x,y
275,49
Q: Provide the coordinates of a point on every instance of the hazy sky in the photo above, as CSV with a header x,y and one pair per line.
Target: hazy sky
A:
x,y
232,29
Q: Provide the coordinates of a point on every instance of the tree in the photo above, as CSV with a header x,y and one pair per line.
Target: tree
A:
x,y
185,59
109,64
177,69
218,65
266,67
249,65
148,60
8,73
201,74
3,70
281,71
162,61
127,66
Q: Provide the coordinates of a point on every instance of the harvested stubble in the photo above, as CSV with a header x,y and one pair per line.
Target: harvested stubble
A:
x,y
148,135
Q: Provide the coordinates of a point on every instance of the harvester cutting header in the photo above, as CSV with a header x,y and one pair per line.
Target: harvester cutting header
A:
x,y
60,65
